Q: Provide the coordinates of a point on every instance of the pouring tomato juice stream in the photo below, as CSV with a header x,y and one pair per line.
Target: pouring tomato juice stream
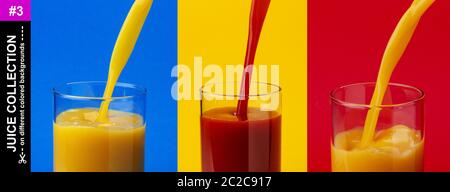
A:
x,y
244,138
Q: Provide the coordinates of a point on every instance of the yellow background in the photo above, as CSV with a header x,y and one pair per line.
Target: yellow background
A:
x,y
217,31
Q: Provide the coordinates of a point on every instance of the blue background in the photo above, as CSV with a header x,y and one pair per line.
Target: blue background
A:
x,y
72,40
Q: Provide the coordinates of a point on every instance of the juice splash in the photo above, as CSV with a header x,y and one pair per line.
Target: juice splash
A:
x,y
397,149
257,17
125,43
394,51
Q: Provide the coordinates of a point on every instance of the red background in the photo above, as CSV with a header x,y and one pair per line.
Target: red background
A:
x,y
346,43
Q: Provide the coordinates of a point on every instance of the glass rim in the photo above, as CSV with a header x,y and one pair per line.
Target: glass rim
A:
x,y
277,87
401,104
141,91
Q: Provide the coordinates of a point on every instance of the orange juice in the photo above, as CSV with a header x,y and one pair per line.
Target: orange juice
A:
x,y
100,140
81,144
397,149
394,51
129,33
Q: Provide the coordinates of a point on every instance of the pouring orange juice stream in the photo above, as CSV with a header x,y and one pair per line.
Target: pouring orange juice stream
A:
x,y
115,138
122,50
399,148
394,51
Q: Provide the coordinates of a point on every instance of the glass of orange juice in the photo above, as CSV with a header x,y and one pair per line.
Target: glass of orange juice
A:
x,y
81,144
399,140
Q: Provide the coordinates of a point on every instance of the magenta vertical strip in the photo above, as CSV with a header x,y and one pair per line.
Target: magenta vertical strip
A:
x,y
15,10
